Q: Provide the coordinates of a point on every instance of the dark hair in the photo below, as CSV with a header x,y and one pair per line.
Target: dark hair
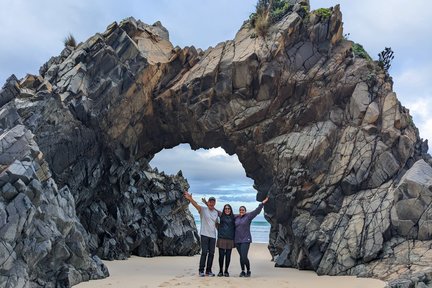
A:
x,y
231,211
243,207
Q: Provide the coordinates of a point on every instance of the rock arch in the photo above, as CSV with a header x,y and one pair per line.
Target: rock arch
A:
x,y
317,128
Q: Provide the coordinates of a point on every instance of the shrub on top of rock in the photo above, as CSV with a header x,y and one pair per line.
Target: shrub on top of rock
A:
x,y
70,41
359,51
385,58
323,12
268,12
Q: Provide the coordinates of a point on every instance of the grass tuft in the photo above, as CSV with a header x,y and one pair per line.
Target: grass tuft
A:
x,y
70,41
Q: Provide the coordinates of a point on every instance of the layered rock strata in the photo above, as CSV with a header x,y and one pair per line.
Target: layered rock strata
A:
x,y
42,242
318,128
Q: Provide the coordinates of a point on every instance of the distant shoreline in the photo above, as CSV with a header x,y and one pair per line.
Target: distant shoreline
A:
x,y
259,229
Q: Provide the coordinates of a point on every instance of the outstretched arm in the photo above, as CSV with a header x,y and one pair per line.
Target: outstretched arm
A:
x,y
254,213
188,196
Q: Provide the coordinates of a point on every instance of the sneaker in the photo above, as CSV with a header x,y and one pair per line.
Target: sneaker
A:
x,y
220,274
248,274
226,274
201,274
242,274
210,274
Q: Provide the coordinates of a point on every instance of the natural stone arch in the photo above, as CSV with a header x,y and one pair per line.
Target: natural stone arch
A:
x,y
317,128
309,146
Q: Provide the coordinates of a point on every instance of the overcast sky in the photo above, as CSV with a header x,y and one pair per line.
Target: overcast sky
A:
x,y
33,31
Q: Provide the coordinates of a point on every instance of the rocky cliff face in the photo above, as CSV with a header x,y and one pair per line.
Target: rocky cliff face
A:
x,y
119,205
41,238
318,129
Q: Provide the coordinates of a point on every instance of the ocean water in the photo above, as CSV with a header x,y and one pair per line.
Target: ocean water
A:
x,y
259,230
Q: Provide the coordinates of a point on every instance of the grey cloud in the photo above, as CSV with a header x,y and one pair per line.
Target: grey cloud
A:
x,y
196,168
38,27
219,176
243,198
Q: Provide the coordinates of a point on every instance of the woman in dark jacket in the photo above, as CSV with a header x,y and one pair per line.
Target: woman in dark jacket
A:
x,y
225,241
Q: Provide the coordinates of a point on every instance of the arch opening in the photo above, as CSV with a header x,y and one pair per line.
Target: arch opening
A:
x,y
212,172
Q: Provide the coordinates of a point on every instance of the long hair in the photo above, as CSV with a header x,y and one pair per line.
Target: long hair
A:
x,y
231,211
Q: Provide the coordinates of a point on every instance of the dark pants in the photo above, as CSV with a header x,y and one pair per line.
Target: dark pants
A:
x,y
243,249
207,252
224,254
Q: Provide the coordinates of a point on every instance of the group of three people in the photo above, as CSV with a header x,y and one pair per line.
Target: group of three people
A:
x,y
231,230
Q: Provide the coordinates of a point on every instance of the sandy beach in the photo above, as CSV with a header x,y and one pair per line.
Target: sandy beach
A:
x,y
138,272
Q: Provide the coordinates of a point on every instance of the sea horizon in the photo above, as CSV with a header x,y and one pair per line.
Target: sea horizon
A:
x,y
260,230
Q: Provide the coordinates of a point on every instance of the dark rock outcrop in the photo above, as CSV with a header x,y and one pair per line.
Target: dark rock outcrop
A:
x,y
318,128
124,207
41,238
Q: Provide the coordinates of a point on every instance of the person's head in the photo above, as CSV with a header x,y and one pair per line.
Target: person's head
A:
x,y
242,210
227,210
211,202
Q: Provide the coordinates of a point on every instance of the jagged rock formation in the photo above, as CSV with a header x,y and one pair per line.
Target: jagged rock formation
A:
x,y
124,207
41,238
318,129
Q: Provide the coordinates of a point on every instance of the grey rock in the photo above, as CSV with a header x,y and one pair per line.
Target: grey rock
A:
x,y
346,172
403,283
8,191
372,114
9,116
360,101
9,91
41,239
20,170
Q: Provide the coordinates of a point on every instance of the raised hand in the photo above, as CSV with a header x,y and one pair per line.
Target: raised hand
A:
x,y
187,195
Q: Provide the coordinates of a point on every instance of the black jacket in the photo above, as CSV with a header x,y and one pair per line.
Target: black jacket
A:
x,y
226,227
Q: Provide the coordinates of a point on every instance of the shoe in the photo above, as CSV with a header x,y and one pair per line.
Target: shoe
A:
x,y
248,274
201,274
226,274
242,274
220,274
210,274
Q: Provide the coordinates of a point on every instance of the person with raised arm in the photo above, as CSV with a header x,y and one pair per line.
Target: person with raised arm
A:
x,y
208,216
225,240
243,236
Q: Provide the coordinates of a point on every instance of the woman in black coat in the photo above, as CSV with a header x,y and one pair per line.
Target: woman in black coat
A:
x,y
225,241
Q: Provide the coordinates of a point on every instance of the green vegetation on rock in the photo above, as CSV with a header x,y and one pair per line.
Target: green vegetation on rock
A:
x,y
359,51
268,12
323,12
279,9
